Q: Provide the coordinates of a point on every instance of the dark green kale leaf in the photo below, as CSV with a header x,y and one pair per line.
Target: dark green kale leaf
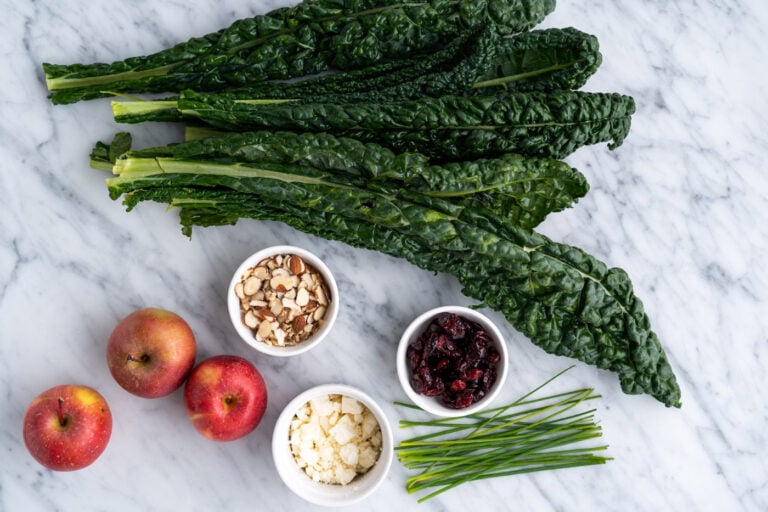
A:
x,y
566,301
447,128
478,63
311,37
542,60
519,189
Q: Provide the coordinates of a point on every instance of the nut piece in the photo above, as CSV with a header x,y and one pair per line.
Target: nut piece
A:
x,y
283,300
302,297
251,285
250,319
265,329
298,324
239,291
296,265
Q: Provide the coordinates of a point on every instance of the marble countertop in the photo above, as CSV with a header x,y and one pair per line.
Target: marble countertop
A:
x,y
682,206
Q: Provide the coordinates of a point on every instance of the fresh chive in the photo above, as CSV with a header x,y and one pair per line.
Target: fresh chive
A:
x,y
529,435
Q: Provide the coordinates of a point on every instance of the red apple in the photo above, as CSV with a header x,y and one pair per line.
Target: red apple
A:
x,y
225,398
150,352
67,427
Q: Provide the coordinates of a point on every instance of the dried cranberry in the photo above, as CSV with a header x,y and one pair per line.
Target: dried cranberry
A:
x,y
414,357
455,359
417,384
472,374
425,373
437,389
463,400
482,337
477,350
447,346
489,377
452,324
430,343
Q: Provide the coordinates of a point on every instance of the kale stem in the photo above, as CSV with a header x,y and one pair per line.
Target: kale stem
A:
x,y
64,82
520,76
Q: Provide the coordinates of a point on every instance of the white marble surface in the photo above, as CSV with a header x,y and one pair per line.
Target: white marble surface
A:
x,y
682,206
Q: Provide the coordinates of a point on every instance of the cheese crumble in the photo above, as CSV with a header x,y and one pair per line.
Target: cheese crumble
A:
x,y
335,438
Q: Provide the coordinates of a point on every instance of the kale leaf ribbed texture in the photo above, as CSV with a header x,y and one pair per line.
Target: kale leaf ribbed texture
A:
x,y
542,60
479,63
565,300
549,125
520,190
311,37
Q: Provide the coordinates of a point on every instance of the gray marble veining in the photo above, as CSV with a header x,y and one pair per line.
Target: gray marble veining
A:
x,y
682,205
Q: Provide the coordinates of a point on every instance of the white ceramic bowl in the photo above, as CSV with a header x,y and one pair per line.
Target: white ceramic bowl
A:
x,y
329,495
233,303
433,404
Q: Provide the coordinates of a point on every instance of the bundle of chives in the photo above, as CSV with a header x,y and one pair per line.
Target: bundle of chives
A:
x,y
528,435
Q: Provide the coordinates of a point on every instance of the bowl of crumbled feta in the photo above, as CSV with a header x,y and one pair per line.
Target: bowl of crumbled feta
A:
x,y
332,445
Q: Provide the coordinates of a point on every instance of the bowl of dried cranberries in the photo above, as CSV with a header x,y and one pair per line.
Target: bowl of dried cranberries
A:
x,y
452,361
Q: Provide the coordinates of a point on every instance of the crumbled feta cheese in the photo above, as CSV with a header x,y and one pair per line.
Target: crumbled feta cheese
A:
x,y
334,438
344,430
369,424
348,454
344,474
309,455
375,439
350,406
321,406
367,456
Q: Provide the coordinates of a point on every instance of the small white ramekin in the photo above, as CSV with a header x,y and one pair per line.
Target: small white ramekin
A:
x,y
330,495
332,311
433,404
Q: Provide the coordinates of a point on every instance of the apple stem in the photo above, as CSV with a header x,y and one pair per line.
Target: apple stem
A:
x,y
62,418
142,359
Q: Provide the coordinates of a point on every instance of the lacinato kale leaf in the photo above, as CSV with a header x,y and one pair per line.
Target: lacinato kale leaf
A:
x,y
542,60
518,189
554,300
549,125
477,63
563,299
311,37
452,69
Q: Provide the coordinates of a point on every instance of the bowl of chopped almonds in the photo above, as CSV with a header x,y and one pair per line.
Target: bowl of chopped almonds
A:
x,y
283,300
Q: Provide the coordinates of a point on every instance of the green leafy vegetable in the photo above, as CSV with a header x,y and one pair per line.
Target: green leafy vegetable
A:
x,y
567,302
451,69
446,128
530,434
521,190
541,299
542,60
309,38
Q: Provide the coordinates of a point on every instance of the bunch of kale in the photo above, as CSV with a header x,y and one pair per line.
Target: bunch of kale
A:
x,y
433,133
